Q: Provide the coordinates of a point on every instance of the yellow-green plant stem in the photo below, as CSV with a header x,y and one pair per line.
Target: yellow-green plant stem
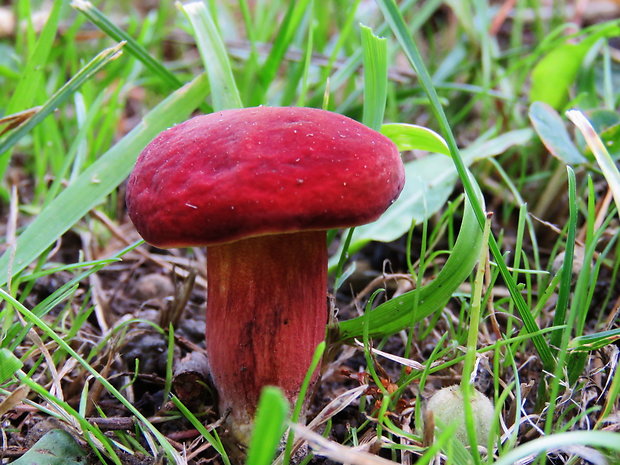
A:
x,y
472,343
316,359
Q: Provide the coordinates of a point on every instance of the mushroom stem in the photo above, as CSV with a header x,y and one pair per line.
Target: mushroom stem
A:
x,y
266,313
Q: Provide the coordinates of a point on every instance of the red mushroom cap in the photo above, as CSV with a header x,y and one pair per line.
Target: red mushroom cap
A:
x,y
249,172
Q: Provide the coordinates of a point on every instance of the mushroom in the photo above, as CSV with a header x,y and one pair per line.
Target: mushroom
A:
x,y
260,187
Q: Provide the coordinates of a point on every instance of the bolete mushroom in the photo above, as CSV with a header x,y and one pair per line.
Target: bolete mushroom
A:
x,y
260,187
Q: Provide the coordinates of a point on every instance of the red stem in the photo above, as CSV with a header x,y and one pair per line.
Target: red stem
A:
x,y
266,313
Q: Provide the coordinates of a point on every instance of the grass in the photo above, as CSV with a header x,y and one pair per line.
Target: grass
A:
x,y
535,326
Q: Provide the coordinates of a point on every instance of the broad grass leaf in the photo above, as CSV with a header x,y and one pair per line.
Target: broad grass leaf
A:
x,y
552,132
9,364
555,73
414,137
57,447
557,70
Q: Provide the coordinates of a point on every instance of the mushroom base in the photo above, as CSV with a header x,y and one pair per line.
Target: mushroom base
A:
x,y
266,314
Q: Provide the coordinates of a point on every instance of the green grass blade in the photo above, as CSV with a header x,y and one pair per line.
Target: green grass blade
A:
x,y
89,432
61,95
9,364
132,46
399,28
604,439
343,37
33,73
224,90
301,398
396,314
100,178
247,73
443,442
611,400
211,438
269,426
32,76
429,182
559,317
307,62
375,96
342,75
289,27
17,332
375,78
590,342
472,344
49,332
